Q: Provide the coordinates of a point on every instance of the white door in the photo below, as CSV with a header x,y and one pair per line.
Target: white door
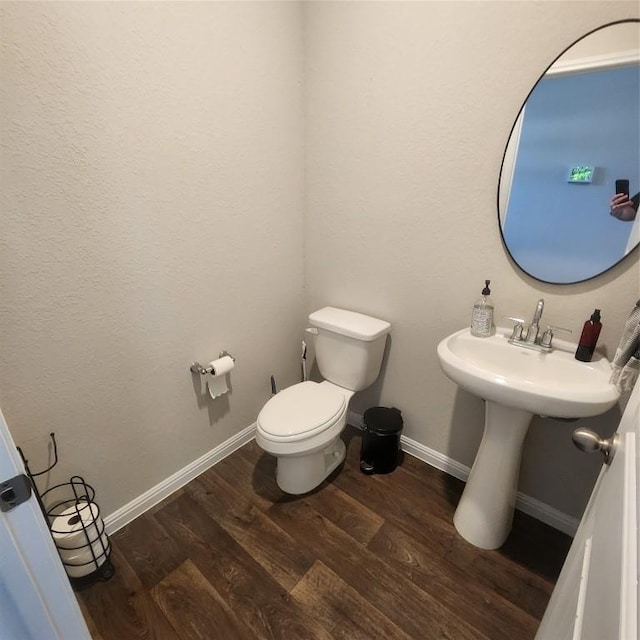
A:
x,y
36,599
596,596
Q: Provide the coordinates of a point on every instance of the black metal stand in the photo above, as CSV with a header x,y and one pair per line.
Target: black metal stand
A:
x,y
32,475
69,504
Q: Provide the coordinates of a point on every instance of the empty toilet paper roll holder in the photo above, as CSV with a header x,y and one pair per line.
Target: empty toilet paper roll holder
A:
x,y
196,367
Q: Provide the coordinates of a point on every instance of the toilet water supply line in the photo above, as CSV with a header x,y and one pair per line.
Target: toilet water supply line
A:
x,y
303,357
314,332
304,361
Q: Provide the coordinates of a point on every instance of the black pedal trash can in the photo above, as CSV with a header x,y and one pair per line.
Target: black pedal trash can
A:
x,y
380,452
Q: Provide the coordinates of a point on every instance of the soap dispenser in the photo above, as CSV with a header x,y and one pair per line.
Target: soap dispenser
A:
x,y
590,332
482,315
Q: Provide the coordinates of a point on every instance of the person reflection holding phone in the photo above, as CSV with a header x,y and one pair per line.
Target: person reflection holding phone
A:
x,y
623,207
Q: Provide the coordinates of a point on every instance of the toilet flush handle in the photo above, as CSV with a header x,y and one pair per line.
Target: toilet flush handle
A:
x,y
312,330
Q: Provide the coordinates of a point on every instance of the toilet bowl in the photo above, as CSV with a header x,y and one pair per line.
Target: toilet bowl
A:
x,y
301,425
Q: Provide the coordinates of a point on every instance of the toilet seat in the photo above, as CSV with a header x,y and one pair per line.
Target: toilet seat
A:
x,y
301,411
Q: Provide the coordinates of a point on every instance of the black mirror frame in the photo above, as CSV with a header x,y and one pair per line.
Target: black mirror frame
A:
x,y
544,73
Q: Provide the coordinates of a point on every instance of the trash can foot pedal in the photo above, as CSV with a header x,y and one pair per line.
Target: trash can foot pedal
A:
x,y
365,467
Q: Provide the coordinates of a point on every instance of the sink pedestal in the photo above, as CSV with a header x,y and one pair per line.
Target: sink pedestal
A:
x,y
485,512
508,376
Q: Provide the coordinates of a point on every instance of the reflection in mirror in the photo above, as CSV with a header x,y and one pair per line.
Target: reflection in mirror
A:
x,y
576,135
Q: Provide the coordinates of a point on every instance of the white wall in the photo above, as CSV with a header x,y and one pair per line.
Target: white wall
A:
x,y
410,106
154,198
152,202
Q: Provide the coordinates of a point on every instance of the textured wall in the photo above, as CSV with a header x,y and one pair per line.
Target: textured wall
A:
x,y
409,109
151,197
153,200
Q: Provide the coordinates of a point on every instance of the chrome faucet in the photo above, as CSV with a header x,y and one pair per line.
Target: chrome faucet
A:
x,y
531,338
534,327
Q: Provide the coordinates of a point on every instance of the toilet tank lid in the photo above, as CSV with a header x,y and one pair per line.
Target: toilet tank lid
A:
x,y
349,323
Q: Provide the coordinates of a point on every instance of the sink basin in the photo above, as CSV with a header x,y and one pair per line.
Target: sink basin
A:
x,y
550,384
516,383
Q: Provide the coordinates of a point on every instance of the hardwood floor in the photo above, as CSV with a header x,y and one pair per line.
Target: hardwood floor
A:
x,y
231,556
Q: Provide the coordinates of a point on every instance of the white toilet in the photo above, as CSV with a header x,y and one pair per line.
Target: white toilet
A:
x,y
301,425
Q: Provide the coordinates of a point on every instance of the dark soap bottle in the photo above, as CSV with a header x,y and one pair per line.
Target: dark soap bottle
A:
x,y
589,337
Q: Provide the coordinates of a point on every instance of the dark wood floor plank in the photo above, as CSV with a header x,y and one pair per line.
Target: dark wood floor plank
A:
x,y
532,544
195,609
408,500
412,478
447,486
251,594
259,536
491,569
342,610
536,546
345,512
410,493
360,557
88,618
352,516
408,511
239,472
149,550
170,498
384,587
123,608
496,617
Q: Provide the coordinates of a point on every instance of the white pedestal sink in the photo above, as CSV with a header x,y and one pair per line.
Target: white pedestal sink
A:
x,y
516,383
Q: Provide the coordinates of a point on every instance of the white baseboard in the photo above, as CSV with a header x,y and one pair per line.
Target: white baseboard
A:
x,y
130,511
153,496
535,508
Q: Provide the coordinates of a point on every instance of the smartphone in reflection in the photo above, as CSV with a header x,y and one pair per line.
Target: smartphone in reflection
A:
x,y
622,186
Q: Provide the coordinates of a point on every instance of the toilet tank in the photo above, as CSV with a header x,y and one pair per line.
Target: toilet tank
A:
x,y
349,346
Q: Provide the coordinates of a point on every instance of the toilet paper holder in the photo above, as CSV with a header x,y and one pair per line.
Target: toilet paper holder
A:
x,y
86,557
196,367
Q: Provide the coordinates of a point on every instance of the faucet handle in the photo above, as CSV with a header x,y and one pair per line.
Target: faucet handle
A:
x,y
518,327
547,336
556,328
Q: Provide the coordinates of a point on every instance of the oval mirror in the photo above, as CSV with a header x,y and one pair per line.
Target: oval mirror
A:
x,y
574,146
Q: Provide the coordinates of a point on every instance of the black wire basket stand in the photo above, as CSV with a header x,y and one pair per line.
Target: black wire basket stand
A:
x,y
78,531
